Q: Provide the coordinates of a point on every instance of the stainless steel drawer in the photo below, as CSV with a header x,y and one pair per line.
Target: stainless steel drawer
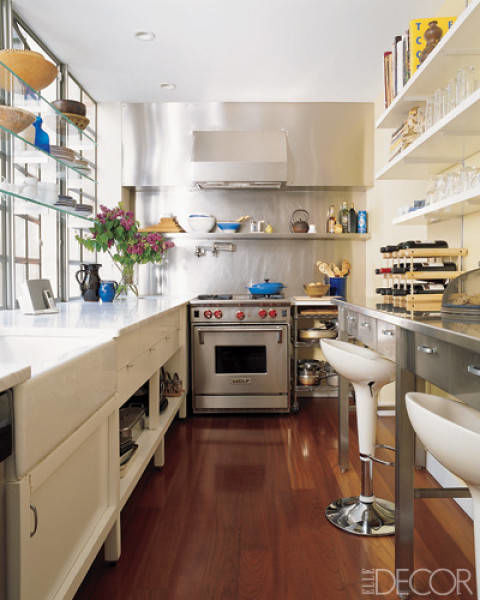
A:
x,y
367,331
465,375
433,360
386,339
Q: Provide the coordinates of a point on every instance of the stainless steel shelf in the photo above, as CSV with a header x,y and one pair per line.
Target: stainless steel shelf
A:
x,y
352,237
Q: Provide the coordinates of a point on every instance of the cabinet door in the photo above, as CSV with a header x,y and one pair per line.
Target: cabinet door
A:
x,y
58,520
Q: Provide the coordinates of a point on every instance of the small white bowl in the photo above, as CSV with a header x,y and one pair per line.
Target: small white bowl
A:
x,y
201,223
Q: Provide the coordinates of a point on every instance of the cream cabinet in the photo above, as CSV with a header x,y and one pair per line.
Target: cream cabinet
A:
x,y
67,505
62,511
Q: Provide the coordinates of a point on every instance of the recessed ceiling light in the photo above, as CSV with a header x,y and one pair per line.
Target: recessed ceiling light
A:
x,y
145,36
168,86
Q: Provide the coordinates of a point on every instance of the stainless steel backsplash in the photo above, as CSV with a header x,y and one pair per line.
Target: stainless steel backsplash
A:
x,y
289,261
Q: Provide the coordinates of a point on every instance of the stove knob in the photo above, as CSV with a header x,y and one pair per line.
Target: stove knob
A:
x,y
218,314
240,315
272,313
207,314
262,313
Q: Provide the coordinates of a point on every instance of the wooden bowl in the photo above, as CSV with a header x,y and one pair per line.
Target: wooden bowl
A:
x,y
316,289
78,120
15,119
72,107
30,66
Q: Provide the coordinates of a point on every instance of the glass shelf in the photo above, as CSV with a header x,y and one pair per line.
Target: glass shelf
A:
x,y
86,220
24,96
34,155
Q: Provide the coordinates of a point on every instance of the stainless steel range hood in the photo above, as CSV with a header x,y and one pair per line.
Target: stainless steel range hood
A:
x,y
239,159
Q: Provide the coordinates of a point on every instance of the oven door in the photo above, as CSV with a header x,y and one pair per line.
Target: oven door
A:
x,y
240,360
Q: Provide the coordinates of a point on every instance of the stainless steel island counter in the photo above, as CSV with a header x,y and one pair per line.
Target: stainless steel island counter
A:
x,y
426,346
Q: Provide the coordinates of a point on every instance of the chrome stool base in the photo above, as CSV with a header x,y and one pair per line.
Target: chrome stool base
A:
x,y
361,518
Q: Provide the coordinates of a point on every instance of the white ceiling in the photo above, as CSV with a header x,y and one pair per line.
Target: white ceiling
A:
x,y
219,50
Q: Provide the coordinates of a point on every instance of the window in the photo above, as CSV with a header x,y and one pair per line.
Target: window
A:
x,y
3,254
83,190
34,245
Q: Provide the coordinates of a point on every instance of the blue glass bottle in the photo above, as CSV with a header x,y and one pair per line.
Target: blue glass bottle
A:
x,y
42,140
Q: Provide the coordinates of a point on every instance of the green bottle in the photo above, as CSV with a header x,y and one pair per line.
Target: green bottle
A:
x,y
343,217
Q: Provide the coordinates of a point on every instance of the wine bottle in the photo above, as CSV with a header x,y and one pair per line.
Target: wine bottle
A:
x,y
352,220
343,217
331,222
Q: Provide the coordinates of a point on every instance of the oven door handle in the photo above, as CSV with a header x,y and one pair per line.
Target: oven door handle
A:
x,y
214,329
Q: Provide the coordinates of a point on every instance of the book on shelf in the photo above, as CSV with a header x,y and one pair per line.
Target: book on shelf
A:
x,y
403,60
417,30
387,77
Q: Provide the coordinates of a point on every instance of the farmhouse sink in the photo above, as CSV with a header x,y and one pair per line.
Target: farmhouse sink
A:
x,y
72,376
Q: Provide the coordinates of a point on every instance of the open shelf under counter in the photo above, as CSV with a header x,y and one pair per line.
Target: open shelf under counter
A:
x,y
148,442
459,47
452,139
316,391
459,205
352,237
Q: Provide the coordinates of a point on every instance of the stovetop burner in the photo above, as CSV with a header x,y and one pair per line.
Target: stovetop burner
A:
x,y
215,297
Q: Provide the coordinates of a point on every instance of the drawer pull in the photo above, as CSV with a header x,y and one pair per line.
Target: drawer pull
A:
x,y
473,370
427,349
365,324
130,365
388,332
33,508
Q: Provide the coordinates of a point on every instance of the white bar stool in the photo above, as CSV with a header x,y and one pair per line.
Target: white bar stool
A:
x,y
451,432
368,372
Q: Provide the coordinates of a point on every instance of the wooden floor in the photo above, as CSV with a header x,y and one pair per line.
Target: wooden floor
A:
x,y
238,513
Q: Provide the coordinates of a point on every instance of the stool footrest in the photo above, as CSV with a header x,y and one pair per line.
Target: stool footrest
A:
x,y
387,463
453,492
386,446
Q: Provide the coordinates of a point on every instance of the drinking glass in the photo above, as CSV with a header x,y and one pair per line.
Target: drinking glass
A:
x,y
461,86
444,100
429,110
437,105
451,95
471,80
466,176
439,186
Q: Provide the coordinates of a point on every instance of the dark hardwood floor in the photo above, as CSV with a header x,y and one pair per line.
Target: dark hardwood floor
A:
x,y
238,513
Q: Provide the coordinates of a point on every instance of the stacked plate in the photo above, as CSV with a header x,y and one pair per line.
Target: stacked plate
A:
x,y
63,153
84,209
66,202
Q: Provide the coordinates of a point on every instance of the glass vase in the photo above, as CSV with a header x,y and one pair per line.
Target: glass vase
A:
x,y
127,287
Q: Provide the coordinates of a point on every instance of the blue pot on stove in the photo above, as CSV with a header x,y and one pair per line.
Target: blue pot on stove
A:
x,y
267,288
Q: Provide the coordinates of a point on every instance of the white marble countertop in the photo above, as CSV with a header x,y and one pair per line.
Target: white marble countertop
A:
x,y
78,318
12,374
83,318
